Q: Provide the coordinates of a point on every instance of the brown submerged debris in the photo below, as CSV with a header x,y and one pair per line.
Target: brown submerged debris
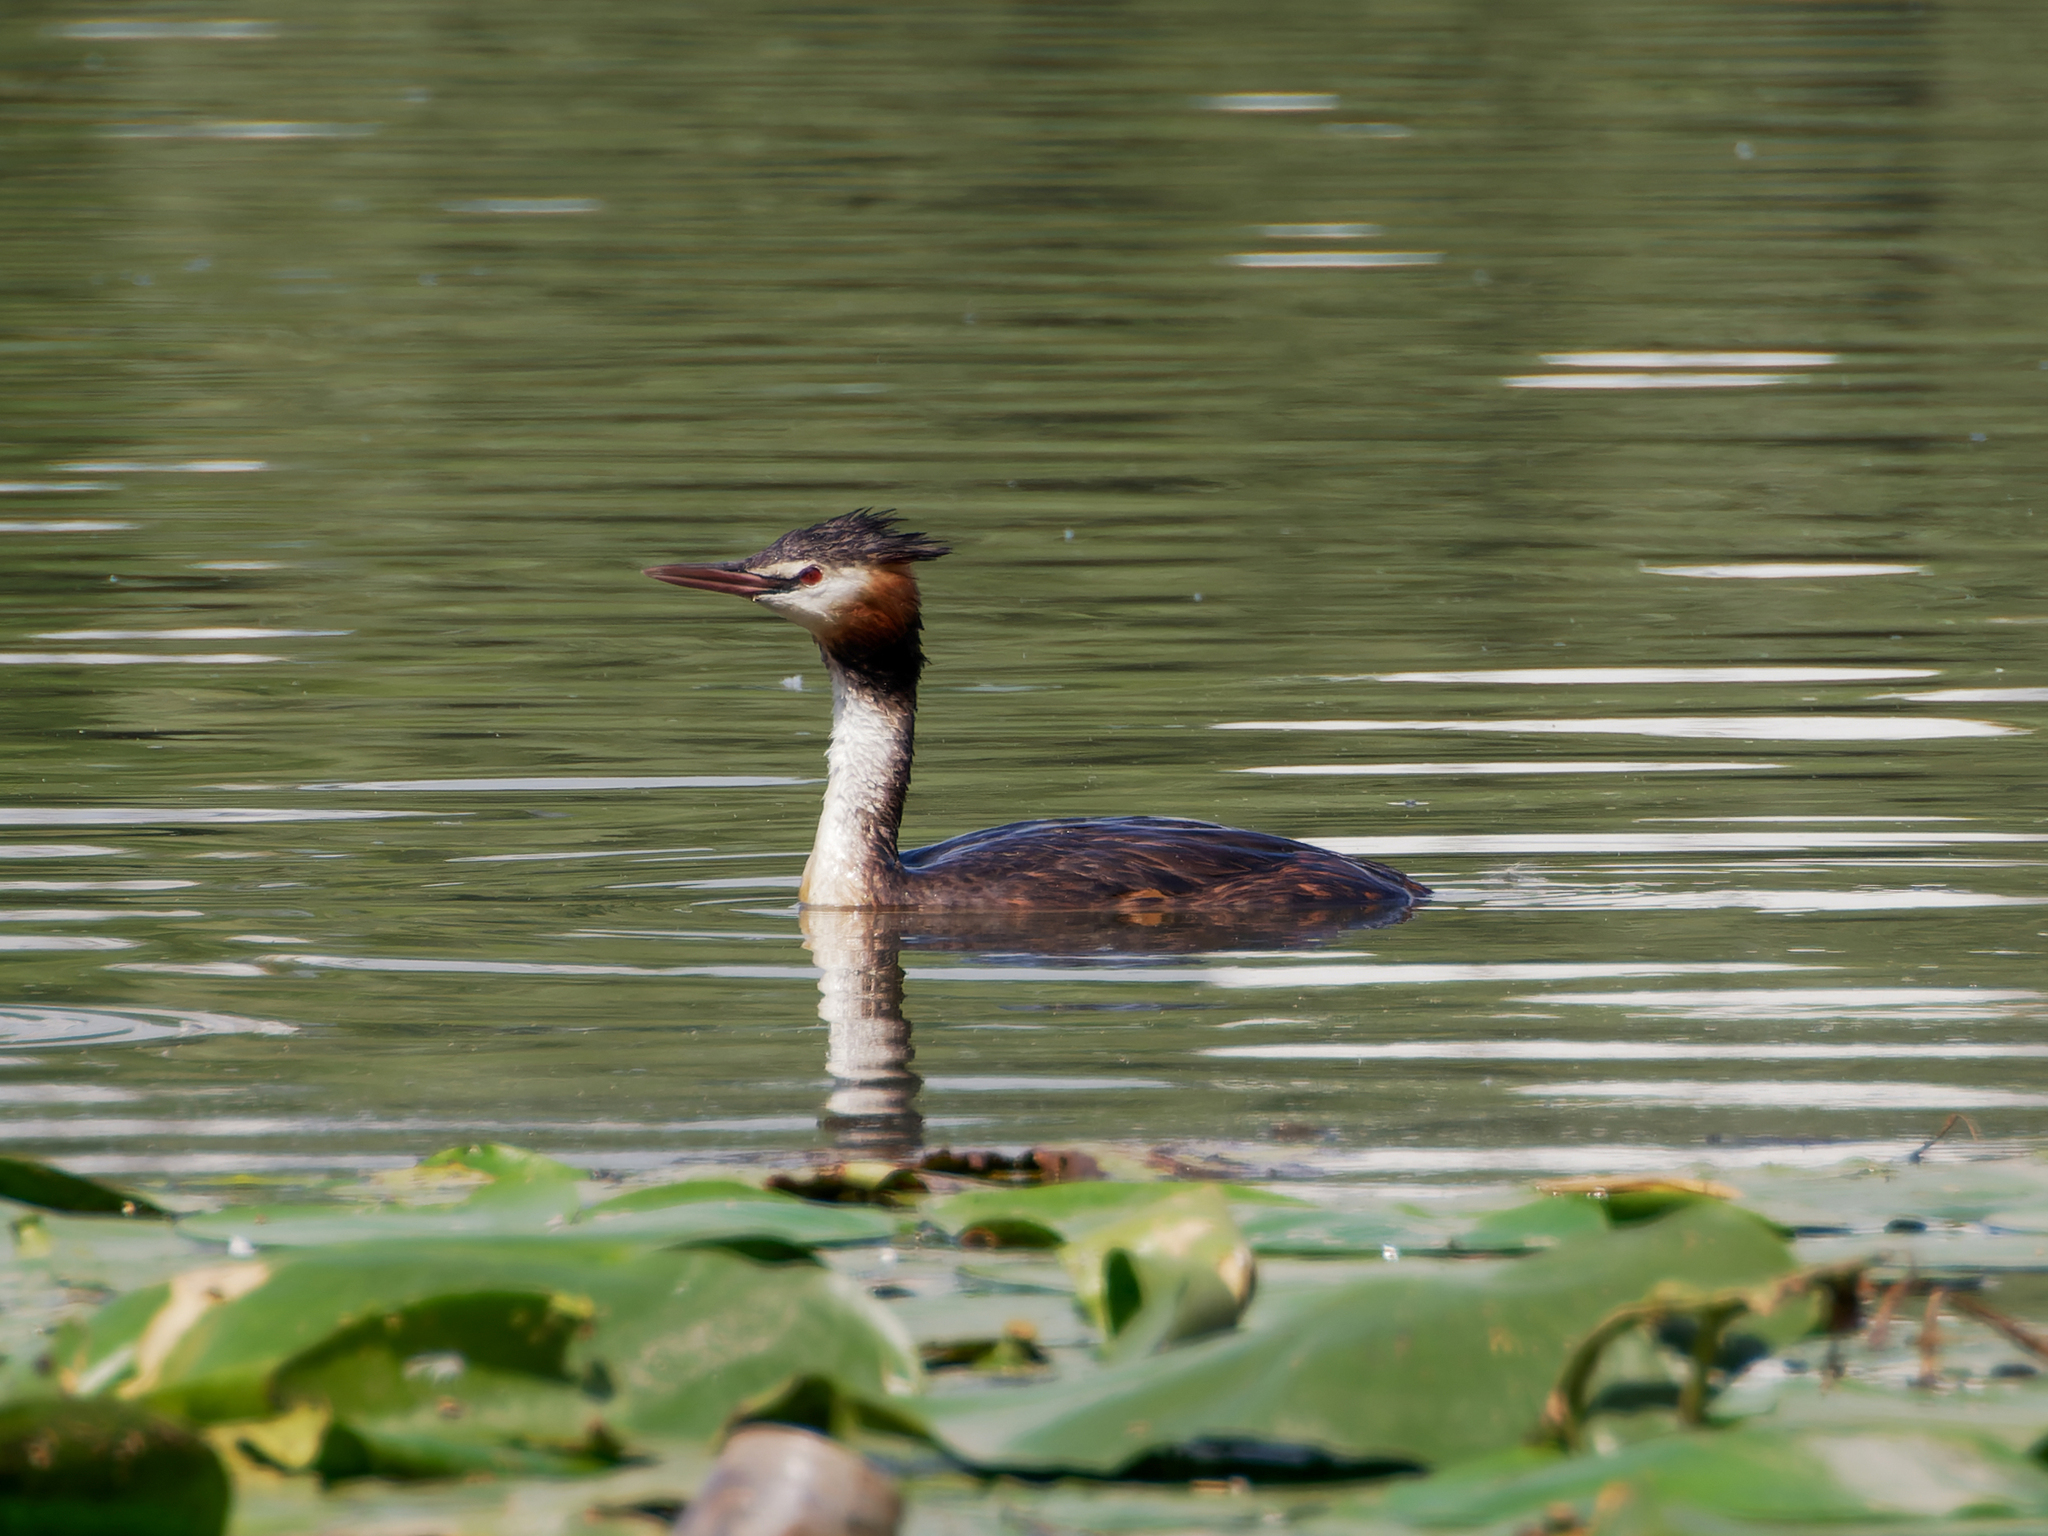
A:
x,y
1946,1126
1015,1353
1930,1340
1292,1132
1041,1165
853,1183
942,1172
1177,1164
2032,1341
1881,1324
778,1480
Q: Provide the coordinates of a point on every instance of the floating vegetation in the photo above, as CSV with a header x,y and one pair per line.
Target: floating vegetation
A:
x,y
1012,1342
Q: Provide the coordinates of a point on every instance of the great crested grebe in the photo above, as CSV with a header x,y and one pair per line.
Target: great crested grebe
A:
x,y
849,582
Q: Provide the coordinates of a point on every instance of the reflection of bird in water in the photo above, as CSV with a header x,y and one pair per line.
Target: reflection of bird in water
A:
x,y
848,581
872,1110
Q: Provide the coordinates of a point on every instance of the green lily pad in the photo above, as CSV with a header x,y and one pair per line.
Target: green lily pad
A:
x,y
396,1360
764,1229
1807,1477
1871,1197
454,1386
313,1226
506,1167
1047,1215
686,1342
52,1189
688,1191
679,1338
419,1452
1316,1232
1320,1232
1172,1270
525,1193
1408,1365
102,1468
1538,1224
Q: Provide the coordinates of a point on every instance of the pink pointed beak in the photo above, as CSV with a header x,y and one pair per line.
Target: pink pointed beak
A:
x,y
719,578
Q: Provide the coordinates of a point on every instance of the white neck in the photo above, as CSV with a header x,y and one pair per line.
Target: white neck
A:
x,y
853,859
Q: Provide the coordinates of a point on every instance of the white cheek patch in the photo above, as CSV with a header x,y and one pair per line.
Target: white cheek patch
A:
x,y
822,606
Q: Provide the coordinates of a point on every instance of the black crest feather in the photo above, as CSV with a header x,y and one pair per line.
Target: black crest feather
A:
x,y
865,537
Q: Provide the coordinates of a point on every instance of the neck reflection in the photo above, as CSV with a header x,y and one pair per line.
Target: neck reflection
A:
x,y
872,1109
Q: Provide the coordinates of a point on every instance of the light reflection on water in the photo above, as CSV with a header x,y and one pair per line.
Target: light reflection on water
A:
x,y
215,632
580,784
1681,727
1570,768
124,816
1636,360
1800,1095
1547,676
1534,896
132,659
21,1025
1604,381
1622,1050
261,331
1785,570
1658,842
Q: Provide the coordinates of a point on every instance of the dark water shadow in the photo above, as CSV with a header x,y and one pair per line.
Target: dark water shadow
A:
x,y
871,1111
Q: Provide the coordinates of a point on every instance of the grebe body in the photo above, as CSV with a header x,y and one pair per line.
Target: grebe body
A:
x,y
849,582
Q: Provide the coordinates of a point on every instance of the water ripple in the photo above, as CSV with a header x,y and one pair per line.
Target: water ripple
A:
x,y
1911,1003
132,659
584,783
216,632
1789,1095
1545,676
122,816
1622,1050
1785,570
1397,770
1657,842
25,1025
1690,727
28,942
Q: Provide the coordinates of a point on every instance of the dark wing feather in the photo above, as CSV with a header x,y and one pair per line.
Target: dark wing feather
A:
x,y
1138,863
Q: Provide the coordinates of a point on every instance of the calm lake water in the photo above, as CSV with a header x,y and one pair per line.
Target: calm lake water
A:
x,y
1589,456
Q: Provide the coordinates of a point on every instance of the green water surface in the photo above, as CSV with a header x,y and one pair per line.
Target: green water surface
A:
x,y
353,360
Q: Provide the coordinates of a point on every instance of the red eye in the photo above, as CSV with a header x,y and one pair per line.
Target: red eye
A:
x,y
810,576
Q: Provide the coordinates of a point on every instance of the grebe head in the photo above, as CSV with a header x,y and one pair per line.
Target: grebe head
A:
x,y
844,579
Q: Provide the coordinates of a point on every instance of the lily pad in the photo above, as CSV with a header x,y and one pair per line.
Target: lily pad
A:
x,y
524,1193
688,1191
1392,1231
1862,1197
105,1469
454,1386
1408,1365
1317,1232
38,1184
1175,1269
763,1229
250,1227
507,1168
1047,1215
680,1337
1811,1476
1542,1223
411,1453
